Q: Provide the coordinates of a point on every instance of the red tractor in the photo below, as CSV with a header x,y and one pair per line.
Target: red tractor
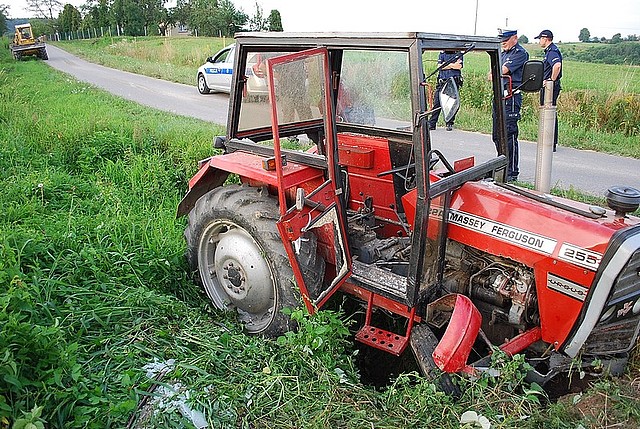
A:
x,y
343,187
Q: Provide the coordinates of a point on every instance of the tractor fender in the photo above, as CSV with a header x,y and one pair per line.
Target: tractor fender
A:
x,y
207,178
451,353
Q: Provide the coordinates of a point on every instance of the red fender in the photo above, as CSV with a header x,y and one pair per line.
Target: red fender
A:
x,y
451,353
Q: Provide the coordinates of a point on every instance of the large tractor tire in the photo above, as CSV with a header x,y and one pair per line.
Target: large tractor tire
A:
x,y
234,245
203,88
423,341
42,54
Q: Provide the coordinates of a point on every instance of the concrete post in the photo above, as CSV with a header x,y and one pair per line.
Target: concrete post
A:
x,y
546,131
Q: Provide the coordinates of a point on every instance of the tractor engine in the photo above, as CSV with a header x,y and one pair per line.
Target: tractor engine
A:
x,y
503,291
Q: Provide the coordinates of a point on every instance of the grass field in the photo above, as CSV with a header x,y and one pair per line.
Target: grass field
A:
x,y
95,287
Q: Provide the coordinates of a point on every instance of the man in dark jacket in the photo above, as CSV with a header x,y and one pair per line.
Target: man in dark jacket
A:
x,y
451,70
513,57
552,71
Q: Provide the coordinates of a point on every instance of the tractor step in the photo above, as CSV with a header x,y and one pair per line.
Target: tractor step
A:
x,y
379,281
383,340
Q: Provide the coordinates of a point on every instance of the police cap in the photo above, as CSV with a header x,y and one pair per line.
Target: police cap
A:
x,y
506,34
545,33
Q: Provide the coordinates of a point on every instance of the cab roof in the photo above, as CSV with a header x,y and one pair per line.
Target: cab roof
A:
x,y
366,40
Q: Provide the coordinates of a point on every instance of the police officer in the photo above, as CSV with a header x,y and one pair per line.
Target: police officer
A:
x,y
552,71
513,57
451,70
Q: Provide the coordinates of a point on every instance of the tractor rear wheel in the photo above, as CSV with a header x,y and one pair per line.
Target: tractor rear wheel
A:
x,y
234,244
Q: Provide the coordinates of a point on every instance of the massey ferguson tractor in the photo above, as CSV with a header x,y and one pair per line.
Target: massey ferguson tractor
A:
x,y
306,199
24,44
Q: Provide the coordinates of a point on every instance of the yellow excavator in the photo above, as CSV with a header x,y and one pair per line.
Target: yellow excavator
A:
x,y
24,44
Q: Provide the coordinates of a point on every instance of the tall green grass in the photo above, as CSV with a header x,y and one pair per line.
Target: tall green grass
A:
x,y
93,286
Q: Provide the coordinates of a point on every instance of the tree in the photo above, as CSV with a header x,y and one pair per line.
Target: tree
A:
x,y
229,20
153,14
3,18
523,39
97,13
69,19
44,8
215,18
585,35
616,38
258,22
275,21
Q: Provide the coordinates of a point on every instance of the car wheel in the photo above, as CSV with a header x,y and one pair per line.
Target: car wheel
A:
x,y
203,88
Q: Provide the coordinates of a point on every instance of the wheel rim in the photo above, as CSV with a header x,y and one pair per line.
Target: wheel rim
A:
x,y
236,275
201,83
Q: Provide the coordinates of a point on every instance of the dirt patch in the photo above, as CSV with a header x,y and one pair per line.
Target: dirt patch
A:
x,y
612,403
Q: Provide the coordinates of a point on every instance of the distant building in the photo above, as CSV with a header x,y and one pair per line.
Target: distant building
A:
x,y
178,30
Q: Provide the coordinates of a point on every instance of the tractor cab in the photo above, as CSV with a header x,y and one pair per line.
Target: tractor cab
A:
x,y
344,188
352,117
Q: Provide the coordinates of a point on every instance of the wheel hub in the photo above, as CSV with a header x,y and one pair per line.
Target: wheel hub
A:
x,y
234,279
240,270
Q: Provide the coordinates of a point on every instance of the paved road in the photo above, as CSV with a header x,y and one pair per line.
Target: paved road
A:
x,y
168,96
588,171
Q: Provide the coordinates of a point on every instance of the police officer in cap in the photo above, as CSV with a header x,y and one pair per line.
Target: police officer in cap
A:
x,y
552,71
454,62
513,57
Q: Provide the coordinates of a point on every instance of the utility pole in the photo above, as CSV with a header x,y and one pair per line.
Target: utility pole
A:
x,y
475,24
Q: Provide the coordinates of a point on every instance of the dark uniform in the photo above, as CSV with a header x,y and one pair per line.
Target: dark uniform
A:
x,y
443,76
514,60
552,56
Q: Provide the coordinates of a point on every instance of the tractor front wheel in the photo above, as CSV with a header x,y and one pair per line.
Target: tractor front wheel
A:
x,y
423,342
234,244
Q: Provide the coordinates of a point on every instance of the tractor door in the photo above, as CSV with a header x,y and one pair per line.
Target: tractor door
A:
x,y
300,95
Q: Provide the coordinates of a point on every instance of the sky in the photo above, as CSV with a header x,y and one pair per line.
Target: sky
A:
x,y
565,18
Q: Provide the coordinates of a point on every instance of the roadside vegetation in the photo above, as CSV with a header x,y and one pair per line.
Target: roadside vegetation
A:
x,y
599,107
95,288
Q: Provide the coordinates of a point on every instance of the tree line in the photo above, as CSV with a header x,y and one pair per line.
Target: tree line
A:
x,y
585,36
147,17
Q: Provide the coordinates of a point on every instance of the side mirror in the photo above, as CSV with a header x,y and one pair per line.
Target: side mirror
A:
x,y
532,76
209,59
449,99
220,142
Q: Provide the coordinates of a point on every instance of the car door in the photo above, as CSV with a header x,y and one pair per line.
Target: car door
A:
x,y
218,71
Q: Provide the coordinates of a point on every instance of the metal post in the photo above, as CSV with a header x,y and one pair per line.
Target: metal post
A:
x,y
546,134
475,23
